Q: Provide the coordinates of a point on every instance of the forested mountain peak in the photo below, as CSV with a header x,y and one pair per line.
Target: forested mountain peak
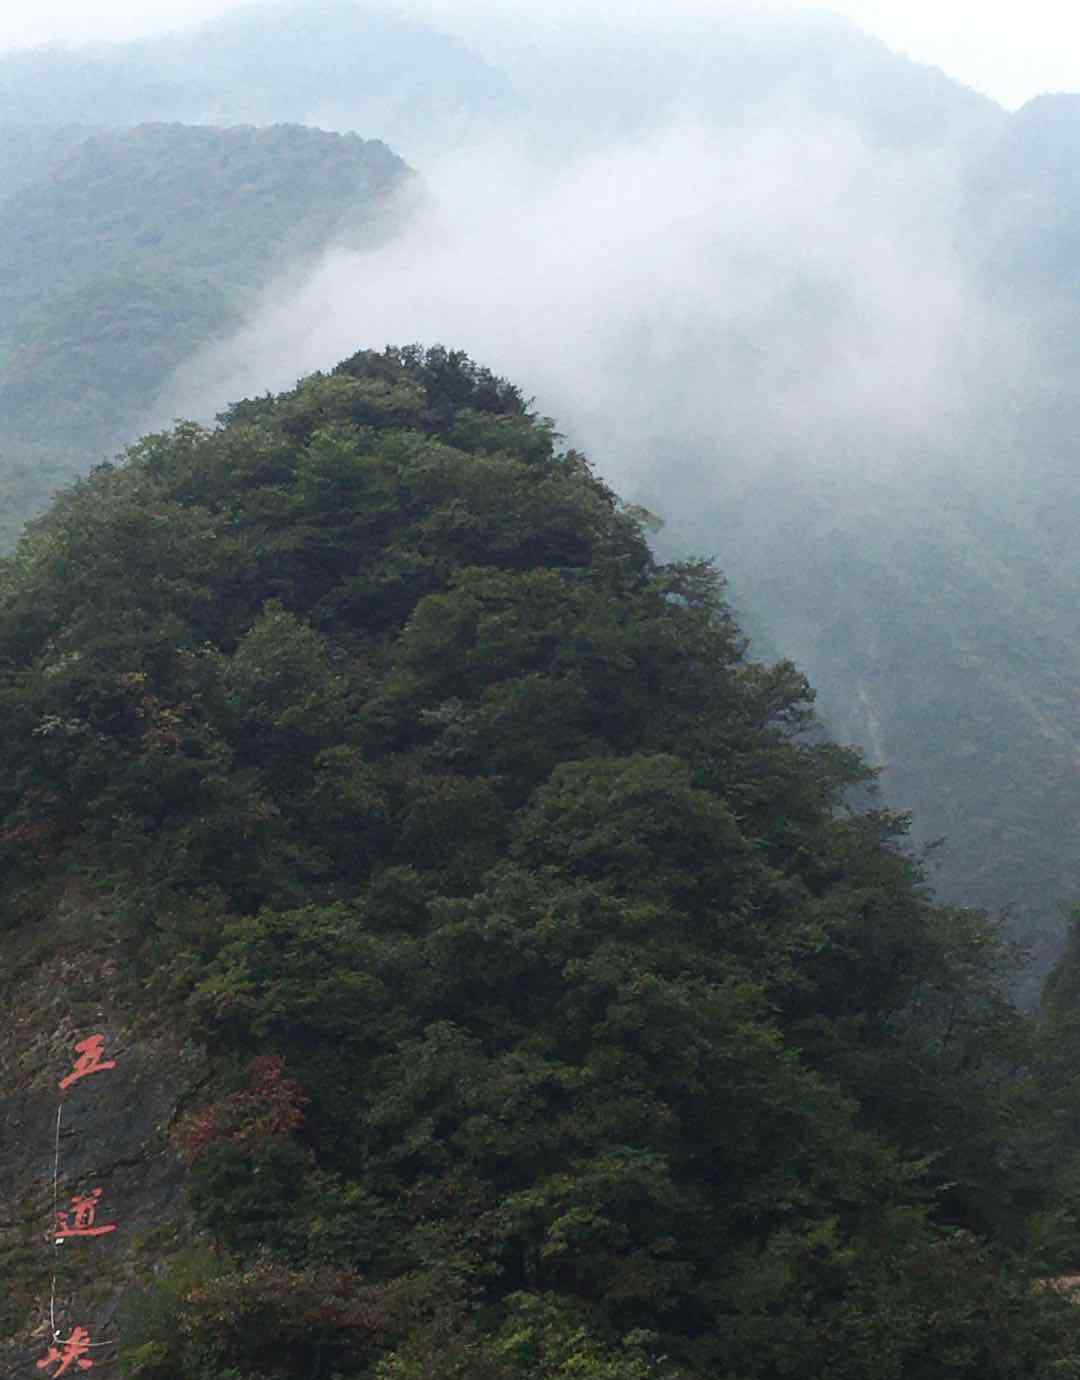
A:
x,y
867,264
503,981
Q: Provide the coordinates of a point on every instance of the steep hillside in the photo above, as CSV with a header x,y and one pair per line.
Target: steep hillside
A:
x,y
439,952
940,629
846,364
132,248
936,607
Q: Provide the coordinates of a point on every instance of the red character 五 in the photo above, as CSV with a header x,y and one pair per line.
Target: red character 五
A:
x,y
89,1061
80,1221
69,1353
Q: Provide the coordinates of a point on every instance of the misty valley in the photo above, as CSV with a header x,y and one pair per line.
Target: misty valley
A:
x,y
539,692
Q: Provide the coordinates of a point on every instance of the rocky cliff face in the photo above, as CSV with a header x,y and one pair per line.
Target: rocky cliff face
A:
x,y
61,989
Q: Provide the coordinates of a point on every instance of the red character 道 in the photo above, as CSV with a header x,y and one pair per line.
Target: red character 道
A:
x,y
89,1061
69,1353
80,1221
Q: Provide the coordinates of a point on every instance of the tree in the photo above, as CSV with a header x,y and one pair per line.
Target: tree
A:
x,y
622,1032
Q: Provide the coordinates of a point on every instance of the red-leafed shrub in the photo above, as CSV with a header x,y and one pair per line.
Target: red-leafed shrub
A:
x,y
269,1108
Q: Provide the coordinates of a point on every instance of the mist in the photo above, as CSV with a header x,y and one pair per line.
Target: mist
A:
x,y
712,301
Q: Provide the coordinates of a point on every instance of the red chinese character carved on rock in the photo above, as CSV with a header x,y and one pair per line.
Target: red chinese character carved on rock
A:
x,y
68,1353
80,1220
89,1061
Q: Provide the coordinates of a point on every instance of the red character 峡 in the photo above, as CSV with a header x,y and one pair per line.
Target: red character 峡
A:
x,y
80,1220
69,1353
89,1061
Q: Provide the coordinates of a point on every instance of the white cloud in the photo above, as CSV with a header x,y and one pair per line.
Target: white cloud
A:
x,y
778,288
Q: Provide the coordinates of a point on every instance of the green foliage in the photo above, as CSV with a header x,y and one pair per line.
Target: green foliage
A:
x,y
589,1030
1053,1131
132,248
542,1335
270,1321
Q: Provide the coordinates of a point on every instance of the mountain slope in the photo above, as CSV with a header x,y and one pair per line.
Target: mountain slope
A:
x,y
942,636
133,248
500,982
936,610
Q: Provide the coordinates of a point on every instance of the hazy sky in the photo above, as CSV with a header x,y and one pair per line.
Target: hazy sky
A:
x,y
1009,54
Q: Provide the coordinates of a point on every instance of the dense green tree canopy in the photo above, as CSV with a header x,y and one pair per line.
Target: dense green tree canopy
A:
x,y
568,1019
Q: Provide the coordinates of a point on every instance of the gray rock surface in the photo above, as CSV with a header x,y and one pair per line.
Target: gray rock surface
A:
x,y
114,1135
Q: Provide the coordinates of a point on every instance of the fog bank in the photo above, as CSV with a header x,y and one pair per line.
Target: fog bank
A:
x,y
777,292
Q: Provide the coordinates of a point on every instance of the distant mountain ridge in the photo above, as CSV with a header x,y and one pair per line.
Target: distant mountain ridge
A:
x,y
611,78
331,64
363,67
